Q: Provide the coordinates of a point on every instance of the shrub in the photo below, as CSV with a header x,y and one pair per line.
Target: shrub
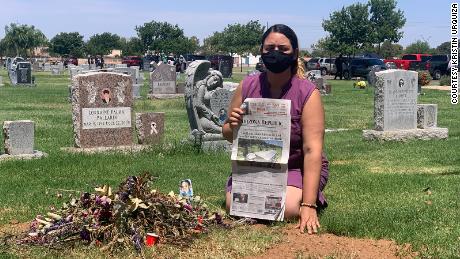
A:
x,y
445,80
424,77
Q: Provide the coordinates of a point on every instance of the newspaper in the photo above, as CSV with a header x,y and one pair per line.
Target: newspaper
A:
x,y
260,155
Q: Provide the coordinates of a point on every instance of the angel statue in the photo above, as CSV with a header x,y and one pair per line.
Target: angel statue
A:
x,y
200,84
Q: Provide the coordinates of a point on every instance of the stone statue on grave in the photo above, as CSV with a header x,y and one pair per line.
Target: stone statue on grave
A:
x,y
201,82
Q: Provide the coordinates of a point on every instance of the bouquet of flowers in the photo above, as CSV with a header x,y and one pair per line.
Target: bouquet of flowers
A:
x,y
122,219
360,84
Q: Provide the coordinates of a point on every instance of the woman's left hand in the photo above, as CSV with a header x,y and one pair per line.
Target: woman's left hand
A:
x,y
309,220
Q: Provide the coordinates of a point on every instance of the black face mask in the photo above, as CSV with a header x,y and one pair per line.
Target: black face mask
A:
x,y
277,61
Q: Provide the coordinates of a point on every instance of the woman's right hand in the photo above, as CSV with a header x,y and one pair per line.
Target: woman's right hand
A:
x,y
236,117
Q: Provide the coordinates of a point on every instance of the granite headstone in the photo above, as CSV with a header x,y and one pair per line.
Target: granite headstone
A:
x,y
163,80
150,127
395,103
102,109
18,137
427,116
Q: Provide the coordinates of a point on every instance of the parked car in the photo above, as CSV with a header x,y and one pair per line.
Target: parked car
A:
x,y
193,57
133,61
70,60
410,61
361,67
437,66
313,64
327,66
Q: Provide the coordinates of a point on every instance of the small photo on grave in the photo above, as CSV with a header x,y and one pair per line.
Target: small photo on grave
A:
x,y
106,95
259,150
185,188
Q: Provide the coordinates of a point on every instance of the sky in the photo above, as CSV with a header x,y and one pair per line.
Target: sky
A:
x,y
425,20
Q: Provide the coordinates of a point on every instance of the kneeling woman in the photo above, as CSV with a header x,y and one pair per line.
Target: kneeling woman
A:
x,y
308,167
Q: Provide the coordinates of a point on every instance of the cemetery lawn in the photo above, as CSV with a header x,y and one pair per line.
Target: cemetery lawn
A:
x,y
407,192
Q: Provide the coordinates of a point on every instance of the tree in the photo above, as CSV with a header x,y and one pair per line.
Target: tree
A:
x,y
102,44
444,48
326,47
242,39
21,39
389,50
165,37
350,28
418,47
131,47
385,22
213,44
68,43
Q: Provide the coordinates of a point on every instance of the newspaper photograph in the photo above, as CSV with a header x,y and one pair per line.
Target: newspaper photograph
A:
x,y
260,154
265,132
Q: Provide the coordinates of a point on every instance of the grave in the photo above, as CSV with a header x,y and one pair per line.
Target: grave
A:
x,y
20,73
47,67
150,127
131,72
371,78
395,109
18,140
206,98
315,77
163,82
1,80
102,109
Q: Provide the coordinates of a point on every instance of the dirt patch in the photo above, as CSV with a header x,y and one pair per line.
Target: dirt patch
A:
x,y
14,228
296,245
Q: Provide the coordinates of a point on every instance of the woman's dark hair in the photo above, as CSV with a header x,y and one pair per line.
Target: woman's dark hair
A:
x,y
289,33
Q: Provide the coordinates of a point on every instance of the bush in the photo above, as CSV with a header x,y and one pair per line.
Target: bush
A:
x,y
445,80
424,77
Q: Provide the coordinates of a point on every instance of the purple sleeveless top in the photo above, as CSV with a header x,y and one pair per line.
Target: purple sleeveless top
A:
x,y
298,91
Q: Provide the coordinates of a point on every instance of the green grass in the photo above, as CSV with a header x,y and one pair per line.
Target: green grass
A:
x,y
375,190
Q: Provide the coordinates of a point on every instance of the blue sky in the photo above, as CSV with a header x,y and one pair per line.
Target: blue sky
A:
x,y
425,20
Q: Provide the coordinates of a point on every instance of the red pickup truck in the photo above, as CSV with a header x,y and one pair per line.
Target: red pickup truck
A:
x,y
409,61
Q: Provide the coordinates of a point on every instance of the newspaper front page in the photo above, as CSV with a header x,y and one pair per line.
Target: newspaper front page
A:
x,y
260,154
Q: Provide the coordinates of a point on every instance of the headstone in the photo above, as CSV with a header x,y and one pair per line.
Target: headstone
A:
x,y
18,137
396,100
427,116
220,101
1,81
395,109
371,78
150,127
101,109
163,80
47,67
24,73
55,70
226,67
84,66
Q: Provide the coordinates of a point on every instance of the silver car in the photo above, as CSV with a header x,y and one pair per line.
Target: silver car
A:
x,y
327,66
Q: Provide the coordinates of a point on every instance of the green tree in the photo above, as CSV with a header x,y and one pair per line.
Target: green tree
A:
x,y
349,29
68,43
102,44
242,39
165,37
418,47
131,47
213,44
21,39
389,50
443,48
326,47
385,22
